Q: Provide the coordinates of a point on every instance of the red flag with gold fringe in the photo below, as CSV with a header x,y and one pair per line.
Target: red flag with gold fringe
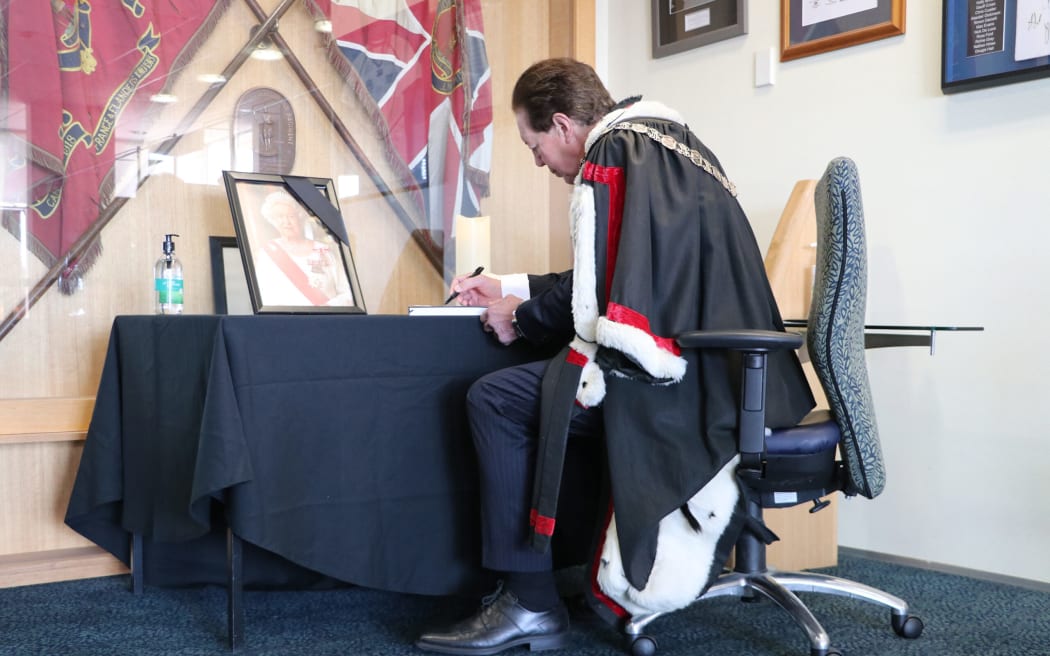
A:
x,y
77,81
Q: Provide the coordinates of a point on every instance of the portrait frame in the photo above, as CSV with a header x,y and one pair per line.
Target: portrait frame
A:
x,y
1017,49
318,275
680,25
810,28
229,284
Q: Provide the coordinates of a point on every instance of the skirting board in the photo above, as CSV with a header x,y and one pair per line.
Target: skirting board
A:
x,y
57,565
1038,586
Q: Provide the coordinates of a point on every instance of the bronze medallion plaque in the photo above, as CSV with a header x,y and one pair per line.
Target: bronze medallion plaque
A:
x,y
263,121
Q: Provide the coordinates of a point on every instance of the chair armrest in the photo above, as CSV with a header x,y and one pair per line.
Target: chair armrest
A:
x,y
752,341
756,345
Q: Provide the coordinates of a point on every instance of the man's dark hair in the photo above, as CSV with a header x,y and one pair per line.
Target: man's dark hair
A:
x,y
561,85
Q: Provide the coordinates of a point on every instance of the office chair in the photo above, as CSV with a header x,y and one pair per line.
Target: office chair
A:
x,y
795,465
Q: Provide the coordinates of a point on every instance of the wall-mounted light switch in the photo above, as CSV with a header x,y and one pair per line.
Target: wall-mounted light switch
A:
x,y
765,67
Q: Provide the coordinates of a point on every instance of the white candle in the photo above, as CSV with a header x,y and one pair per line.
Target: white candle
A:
x,y
472,243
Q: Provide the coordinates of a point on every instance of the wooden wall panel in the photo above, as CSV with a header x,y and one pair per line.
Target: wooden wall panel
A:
x,y
571,35
36,479
516,34
41,441
807,539
20,417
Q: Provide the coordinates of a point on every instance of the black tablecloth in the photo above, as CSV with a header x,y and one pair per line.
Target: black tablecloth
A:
x,y
334,444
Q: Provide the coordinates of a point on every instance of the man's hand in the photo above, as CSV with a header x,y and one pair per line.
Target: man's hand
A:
x,y
479,291
497,319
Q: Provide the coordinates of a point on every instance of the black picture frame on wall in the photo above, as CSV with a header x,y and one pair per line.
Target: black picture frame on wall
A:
x,y
293,244
680,25
994,43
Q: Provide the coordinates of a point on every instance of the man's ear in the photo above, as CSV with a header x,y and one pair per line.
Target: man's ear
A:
x,y
565,127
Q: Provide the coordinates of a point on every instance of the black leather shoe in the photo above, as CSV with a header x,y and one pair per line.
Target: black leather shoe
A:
x,y
501,624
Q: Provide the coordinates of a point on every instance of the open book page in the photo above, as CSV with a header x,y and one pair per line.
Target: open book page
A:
x,y
444,310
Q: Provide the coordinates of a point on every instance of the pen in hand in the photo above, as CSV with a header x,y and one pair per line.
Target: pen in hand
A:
x,y
453,295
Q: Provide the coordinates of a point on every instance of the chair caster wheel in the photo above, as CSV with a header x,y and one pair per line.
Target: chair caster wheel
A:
x,y
907,626
643,645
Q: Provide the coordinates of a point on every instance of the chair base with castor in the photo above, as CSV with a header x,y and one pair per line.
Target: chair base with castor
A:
x,y
751,580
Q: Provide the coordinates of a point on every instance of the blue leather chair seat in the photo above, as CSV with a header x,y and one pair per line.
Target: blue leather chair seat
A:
x,y
817,433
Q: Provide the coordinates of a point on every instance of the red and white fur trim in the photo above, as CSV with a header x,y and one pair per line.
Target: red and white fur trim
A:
x,y
584,277
591,389
640,345
684,556
640,109
592,330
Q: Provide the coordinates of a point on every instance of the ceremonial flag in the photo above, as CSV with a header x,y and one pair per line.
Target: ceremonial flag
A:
x,y
421,69
77,80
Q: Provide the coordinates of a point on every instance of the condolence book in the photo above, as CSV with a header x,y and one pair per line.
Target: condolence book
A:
x,y
444,310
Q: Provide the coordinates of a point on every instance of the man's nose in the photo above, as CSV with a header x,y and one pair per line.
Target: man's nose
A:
x,y
537,158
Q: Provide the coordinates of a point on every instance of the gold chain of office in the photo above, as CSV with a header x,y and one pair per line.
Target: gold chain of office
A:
x,y
670,143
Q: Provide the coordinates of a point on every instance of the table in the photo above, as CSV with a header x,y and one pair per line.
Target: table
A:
x,y
335,447
895,335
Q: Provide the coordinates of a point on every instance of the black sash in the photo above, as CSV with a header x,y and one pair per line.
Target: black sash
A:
x,y
558,395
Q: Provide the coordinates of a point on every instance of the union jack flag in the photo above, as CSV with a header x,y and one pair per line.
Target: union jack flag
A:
x,y
420,67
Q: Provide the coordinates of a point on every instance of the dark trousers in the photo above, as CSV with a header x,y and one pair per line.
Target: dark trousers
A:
x,y
504,410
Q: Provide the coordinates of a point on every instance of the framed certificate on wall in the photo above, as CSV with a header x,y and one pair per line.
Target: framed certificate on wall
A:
x,y
811,27
994,42
680,25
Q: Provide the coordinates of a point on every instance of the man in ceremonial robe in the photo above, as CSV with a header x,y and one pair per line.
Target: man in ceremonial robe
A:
x,y
661,246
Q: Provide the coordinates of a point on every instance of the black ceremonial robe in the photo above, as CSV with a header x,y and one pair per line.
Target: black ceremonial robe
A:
x,y
661,247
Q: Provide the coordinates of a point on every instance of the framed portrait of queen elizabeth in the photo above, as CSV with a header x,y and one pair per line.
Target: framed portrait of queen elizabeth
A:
x,y
293,243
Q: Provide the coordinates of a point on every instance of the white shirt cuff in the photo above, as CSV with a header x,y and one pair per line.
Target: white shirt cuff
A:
x,y
516,284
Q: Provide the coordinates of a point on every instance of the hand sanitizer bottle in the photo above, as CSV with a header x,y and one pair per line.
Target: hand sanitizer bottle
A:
x,y
167,280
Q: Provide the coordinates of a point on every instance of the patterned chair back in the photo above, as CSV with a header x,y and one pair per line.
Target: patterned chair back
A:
x,y
835,336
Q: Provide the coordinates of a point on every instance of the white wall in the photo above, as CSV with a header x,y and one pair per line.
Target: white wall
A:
x,y
956,193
